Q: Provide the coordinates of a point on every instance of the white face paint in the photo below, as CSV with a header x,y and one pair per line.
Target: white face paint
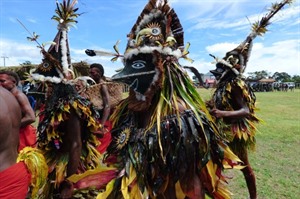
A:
x,y
134,85
138,64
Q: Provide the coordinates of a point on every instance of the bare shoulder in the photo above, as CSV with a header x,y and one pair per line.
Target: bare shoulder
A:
x,y
8,103
10,122
3,103
21,97
10,114
19,94
6,97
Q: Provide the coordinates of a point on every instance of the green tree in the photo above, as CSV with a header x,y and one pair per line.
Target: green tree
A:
x,y
26,63
259,74
296,78
282,77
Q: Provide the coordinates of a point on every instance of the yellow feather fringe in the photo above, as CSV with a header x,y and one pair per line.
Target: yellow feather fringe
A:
x,y
37,166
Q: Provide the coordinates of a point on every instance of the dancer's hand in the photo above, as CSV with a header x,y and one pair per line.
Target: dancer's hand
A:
x,y
66,189
217,113
101,131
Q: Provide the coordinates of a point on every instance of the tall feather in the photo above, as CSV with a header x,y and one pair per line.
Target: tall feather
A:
x,y
258,29
66,13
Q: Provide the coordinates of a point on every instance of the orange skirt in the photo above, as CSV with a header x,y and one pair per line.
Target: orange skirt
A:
x,y
106,139
27,137
14,182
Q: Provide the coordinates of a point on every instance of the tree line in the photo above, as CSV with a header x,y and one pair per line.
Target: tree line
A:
x,y
278,76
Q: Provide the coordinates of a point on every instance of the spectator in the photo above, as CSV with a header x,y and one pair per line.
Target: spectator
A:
x,y
16,174
81,85
10,80
101,97
10,123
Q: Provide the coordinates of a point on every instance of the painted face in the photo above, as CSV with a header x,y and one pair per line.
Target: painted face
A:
x,y
49,67
138,73
7,82
218,71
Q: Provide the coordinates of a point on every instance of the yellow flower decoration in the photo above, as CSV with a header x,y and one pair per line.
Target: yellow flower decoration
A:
x,y
45,66
155,31
123,138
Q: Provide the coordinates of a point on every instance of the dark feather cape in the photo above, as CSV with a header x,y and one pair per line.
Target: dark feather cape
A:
x,y
51,131
243,130
64,101
165,143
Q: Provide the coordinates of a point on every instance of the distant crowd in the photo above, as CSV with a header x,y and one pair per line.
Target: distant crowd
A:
x,y
275,86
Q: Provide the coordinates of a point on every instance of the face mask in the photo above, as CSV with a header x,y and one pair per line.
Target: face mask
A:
x,y
138,73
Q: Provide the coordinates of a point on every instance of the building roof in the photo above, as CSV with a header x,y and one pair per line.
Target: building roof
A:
x,y
210,81
267,80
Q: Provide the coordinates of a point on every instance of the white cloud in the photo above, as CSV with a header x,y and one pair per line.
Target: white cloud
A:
x,y
109,67
282,56
31,20
220,49
231,17
205,23
18,53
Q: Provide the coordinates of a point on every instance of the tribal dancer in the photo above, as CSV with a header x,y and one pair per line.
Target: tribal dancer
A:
x,y
65,132
165,143
18,171
233,103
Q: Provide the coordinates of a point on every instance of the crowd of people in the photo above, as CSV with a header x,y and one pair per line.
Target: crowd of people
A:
x,y
162,141
272,87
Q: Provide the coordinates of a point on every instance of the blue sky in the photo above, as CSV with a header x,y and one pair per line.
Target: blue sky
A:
x,y
211,26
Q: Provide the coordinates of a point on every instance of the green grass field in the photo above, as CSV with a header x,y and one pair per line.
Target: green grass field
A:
x,y
276,161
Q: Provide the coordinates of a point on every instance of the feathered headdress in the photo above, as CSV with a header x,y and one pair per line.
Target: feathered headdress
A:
x,y
157,26
56,63
236,59
157,33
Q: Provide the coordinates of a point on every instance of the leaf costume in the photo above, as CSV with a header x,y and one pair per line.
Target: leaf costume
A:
x,y
229,73
233,102
241,132
165,144
51,131
63,103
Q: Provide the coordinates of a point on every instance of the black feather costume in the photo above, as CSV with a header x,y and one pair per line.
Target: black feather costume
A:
x,y
165,143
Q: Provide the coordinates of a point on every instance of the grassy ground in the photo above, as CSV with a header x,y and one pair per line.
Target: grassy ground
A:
x,y
276,161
